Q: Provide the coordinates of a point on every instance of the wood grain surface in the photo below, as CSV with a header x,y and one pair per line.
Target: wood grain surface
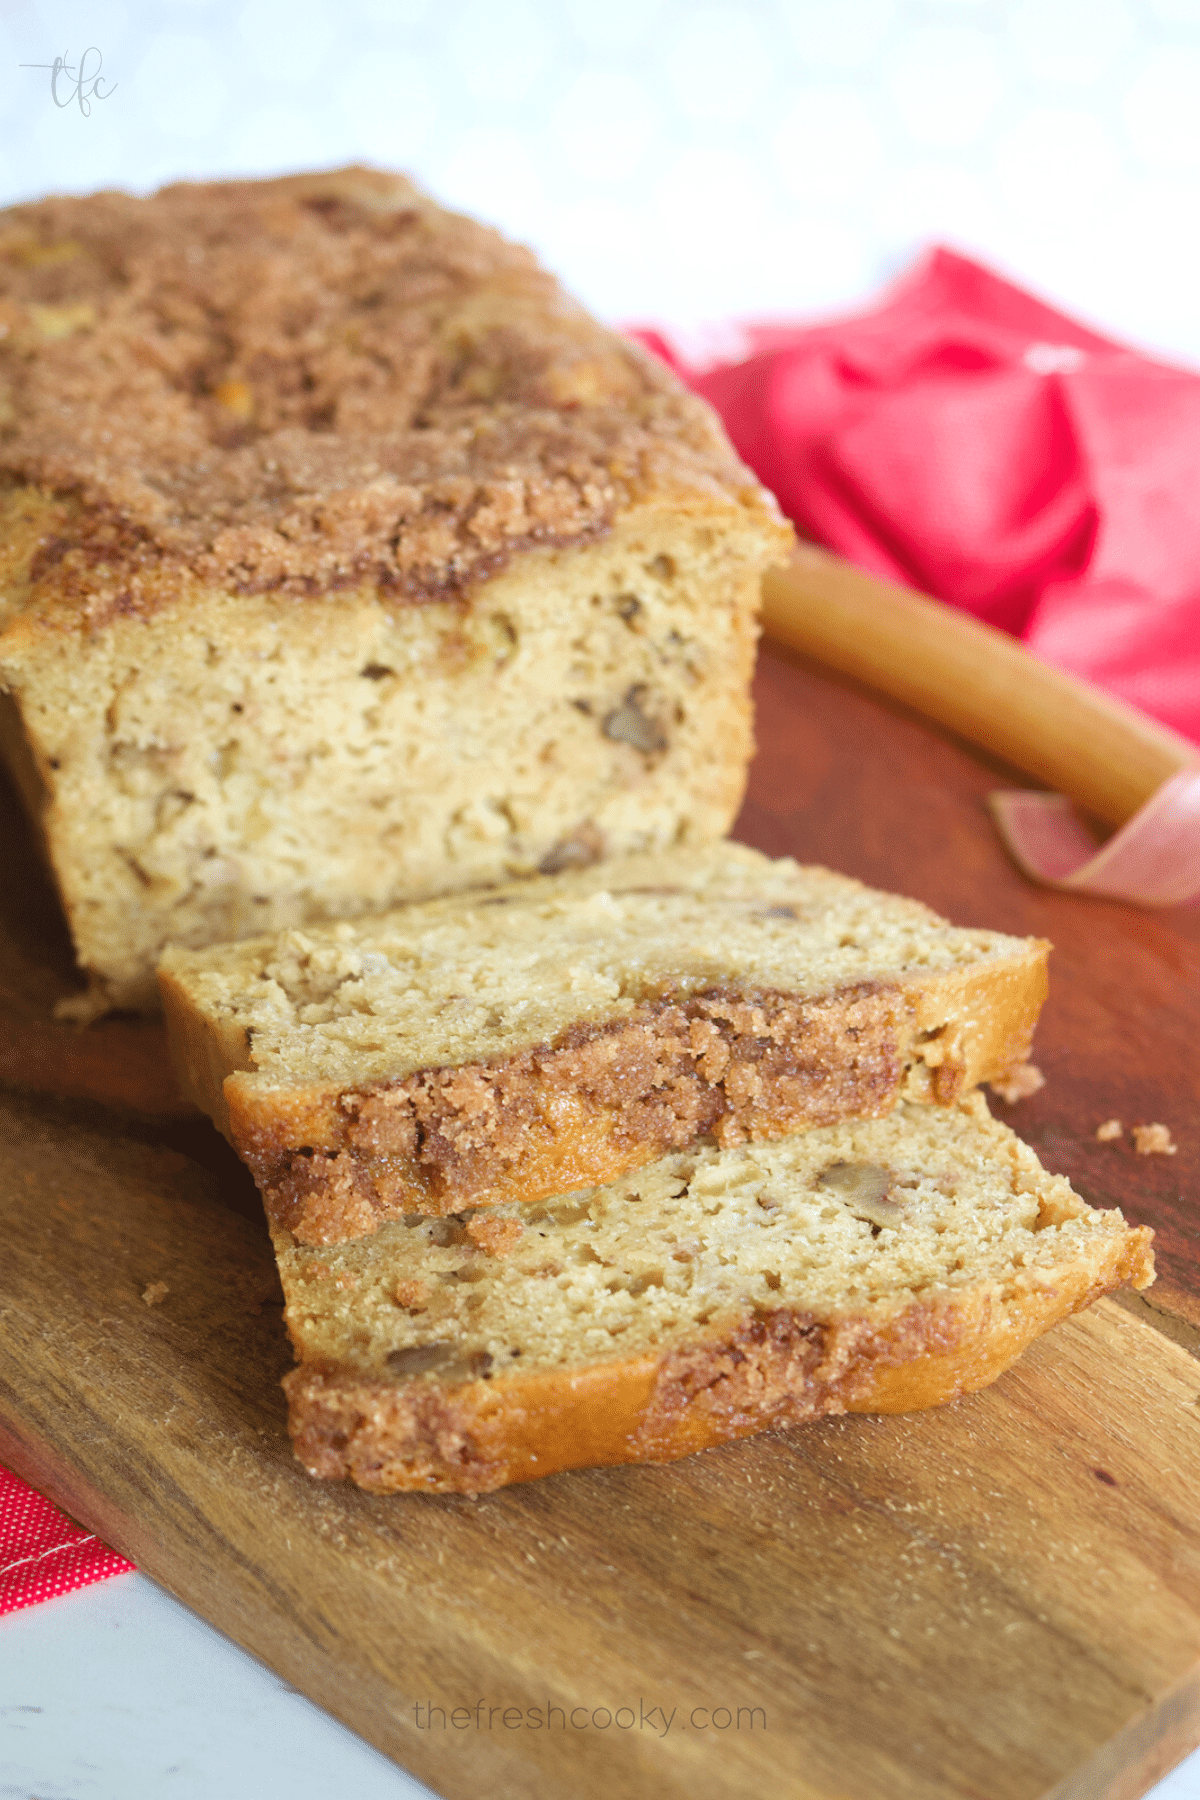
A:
x,y
984,1601
998,1601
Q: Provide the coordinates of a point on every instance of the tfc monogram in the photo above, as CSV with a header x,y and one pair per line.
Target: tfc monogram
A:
x,y
86,86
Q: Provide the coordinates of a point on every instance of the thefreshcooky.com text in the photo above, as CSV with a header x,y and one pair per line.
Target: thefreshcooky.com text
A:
x,y
429,1716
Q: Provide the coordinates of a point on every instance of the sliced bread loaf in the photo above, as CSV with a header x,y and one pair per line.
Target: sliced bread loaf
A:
x,y
873,1266
565,1030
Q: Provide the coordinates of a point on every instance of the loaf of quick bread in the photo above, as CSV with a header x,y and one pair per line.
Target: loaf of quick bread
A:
x,y
563,1030
344,561
870,1266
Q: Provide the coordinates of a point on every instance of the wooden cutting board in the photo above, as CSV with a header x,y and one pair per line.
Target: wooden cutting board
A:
x,y
998,1601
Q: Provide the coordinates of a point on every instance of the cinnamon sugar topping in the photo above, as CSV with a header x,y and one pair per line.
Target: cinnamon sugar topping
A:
x,y
314,382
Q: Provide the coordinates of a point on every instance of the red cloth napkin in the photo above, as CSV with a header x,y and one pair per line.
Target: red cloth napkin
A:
x,y
42,1552
967,440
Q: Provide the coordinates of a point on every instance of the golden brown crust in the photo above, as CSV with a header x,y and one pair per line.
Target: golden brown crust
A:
x,y
311,383
605,1100
749,1373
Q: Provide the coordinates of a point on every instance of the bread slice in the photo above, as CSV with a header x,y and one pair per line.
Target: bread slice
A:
x,y
344,560
871,1266
560,1032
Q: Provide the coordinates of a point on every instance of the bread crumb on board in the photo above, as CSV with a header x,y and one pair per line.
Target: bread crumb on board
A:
x,y
156,1293
1111,1128
1019,1083
1153,1140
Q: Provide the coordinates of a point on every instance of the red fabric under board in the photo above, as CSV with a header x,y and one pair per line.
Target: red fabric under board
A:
x,y
42,1552
967,440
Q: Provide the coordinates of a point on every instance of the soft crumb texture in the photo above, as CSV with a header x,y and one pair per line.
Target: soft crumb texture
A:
x,y
1153,1140
156,1293
872,1265
568,1029
1111,1128
344,560
1018,1083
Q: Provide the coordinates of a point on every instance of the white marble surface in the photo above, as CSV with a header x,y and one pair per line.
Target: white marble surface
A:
x,y
119,1693
677,158
116,1692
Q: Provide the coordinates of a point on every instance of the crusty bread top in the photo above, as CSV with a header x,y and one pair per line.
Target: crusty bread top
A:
x,y
858,1220
486,975
312,382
